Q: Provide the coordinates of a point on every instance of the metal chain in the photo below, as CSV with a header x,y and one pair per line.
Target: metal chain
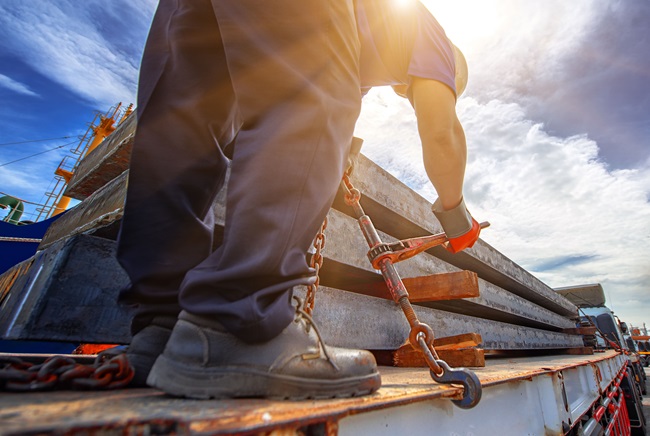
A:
x,y
109,371
316,262
421,335
12,239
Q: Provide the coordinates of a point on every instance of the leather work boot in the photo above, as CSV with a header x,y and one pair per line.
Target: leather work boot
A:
x,y
146,346
203,360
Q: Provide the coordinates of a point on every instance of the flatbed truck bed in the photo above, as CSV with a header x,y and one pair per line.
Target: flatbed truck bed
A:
x,y
521,395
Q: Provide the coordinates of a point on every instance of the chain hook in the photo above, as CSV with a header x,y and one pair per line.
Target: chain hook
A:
x,y
472,385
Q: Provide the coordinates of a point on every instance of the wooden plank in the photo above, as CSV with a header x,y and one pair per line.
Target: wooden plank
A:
x,y
409,357
444,286
457,342
578,351
590,330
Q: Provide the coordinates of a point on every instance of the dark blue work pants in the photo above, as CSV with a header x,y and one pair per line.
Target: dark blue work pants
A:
x,y
280,79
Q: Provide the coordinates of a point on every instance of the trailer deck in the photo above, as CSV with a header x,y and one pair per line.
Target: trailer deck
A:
x,y
408,402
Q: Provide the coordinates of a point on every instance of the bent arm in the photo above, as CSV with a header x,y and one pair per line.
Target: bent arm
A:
x,y
443,139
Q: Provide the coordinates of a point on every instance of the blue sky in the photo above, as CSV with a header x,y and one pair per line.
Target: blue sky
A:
x,y
556,116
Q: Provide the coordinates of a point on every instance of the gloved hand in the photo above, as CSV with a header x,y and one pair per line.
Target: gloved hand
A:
x,y
462,230
454,245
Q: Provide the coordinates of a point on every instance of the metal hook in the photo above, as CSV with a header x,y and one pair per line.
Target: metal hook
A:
x,y
469,380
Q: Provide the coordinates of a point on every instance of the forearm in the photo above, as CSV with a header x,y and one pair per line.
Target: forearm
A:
x,y
443,140
445,156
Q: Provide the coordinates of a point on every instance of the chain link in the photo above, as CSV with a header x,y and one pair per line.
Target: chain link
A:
x,y
109,371
316,262
421,335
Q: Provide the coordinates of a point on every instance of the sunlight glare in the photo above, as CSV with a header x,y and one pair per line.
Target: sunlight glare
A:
x,y
468,22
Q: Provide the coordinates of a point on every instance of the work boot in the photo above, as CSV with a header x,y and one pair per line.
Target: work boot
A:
x,y
146,346
203,360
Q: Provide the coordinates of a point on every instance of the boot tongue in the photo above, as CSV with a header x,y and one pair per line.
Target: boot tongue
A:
x,y
309,323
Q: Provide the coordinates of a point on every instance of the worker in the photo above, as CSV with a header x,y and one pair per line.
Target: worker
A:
x,y
404,46
279,86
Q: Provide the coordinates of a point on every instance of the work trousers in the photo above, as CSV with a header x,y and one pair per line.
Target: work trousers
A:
x,y
279,81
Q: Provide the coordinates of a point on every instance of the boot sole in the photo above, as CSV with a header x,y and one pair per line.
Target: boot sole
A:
x,y
237,382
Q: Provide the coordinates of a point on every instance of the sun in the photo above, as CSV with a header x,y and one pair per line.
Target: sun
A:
x,y
468,22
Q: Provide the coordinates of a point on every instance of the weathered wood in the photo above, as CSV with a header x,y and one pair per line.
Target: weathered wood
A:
x,y
409,357
457,342
444,286
591,330
578,351
148,411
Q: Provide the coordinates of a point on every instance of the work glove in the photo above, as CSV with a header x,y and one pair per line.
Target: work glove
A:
x,y
462,230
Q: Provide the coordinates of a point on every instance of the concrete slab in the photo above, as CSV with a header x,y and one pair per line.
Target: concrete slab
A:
x,y
70,295
106,162
346,249
102,208
398,210
347,319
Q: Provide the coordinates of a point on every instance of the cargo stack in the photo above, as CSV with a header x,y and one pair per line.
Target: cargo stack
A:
x,y
68,290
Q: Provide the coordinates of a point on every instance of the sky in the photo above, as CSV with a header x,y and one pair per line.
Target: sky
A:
x,y
555,114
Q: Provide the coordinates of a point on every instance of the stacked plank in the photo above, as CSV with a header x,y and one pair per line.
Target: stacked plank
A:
x,y
478,292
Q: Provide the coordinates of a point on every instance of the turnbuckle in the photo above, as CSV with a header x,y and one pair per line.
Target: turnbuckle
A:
x,y
382,256
407,248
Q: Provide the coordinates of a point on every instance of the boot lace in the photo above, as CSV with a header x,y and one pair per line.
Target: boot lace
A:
x,y
309,323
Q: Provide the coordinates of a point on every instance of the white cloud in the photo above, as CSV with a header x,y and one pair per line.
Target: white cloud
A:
x,y
554,207
62,42
517,49
13,85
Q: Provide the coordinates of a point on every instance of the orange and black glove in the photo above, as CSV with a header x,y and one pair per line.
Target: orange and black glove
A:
x,y
462,230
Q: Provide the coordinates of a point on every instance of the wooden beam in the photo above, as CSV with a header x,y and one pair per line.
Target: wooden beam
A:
x,y
445,286
458,350
590,330
456,342
409,357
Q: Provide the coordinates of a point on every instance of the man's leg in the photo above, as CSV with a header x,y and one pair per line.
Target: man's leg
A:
x,y
185,113
294,66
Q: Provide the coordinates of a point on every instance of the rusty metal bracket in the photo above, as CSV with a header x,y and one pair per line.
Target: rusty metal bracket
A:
x,y
382,256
